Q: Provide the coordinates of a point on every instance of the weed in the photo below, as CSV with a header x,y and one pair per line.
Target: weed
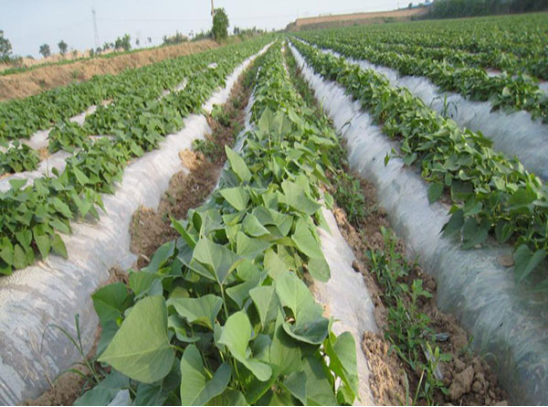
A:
x,y
408,328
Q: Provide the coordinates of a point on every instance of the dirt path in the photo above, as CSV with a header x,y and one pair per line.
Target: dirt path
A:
x,y
37,80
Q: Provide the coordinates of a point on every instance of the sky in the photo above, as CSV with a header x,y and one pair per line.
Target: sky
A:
x,y
31,23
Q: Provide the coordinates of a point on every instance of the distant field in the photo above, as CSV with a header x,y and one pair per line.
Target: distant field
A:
x,y
37,80
354,18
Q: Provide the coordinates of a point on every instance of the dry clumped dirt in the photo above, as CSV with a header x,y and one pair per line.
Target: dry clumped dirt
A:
x,y
32,82
468,378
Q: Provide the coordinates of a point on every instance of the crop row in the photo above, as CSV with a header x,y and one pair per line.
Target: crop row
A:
x,y
33,216
509,93
221,315
520,35
20,118
536,66
491,195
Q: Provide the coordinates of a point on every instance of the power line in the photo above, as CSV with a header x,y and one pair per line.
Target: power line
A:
x,y
95,30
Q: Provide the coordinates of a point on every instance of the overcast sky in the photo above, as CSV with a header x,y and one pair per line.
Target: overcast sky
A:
x,y
30,23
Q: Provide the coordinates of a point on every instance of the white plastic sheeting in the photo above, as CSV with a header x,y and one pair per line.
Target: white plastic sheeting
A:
x,y
346,299
54,290
508,322
514,133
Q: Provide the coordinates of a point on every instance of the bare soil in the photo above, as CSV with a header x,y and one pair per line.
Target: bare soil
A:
x,y
32,82
309,23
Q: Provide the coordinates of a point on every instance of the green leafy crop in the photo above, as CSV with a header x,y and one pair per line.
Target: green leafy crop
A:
x,y
221,315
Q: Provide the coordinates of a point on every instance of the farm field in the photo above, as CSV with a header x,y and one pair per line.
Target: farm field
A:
x,y
348,216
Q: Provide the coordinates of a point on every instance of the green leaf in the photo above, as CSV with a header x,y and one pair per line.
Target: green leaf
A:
x,y
202,311
296,385
342,360
319,269
80,176
141,281
110,302
455,223
58,246
292,292
6,253
238,165
19,257
214,261
473,234
180,228
318,388
17,184
235,336
526,261
196,387
60,226
140,349
274,265
305,240
310,326
434,192
240,292
62,208
160,257
44,244
296,198
237,197
105,391
253,227
285,353
266,302
248,247
229,397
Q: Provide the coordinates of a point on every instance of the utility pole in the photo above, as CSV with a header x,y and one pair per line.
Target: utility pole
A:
x,y
212,9
95,31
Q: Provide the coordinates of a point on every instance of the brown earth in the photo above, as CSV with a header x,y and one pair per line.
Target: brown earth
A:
x,y
27,62
37,80
309,23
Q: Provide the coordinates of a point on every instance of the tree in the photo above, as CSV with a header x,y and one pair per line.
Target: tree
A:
x,y
44,50
124,42
149,40
5,47
137,42
410,5
62,47
220,24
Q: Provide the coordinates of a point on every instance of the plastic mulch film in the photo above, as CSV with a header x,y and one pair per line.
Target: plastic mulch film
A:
x,y
53,291
508,322
346,299
513,133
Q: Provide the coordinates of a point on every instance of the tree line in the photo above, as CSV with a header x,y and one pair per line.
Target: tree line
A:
x,y
470,8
